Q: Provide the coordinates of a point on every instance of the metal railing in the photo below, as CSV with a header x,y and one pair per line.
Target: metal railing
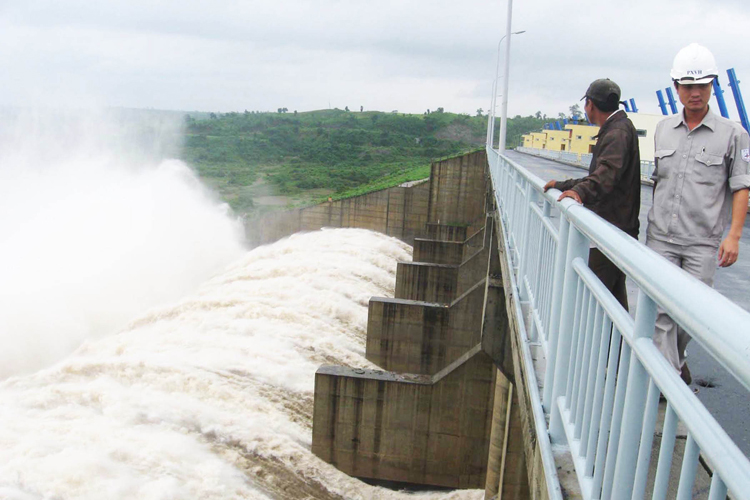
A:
x,y
582,160
603,374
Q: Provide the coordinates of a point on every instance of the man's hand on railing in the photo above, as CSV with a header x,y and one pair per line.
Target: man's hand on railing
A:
x,y
565,194
570,194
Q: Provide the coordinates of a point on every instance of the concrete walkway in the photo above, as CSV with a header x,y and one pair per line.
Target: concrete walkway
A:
x,y
722,395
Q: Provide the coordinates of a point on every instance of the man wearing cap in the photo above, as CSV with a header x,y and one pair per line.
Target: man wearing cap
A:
x,y
702,176
612,189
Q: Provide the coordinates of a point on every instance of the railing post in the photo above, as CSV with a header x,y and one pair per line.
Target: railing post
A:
x,y
523,245
578,247
554,320
510,181
548,265
517,219
635,402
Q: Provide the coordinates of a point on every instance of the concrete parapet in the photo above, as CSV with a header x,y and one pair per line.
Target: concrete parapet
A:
x,y
407,428
438,252
420,337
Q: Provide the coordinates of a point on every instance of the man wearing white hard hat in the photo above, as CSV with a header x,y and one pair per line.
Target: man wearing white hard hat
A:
x,y
701,185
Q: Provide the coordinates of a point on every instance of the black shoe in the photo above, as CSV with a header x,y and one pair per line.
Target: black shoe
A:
x,y
685,374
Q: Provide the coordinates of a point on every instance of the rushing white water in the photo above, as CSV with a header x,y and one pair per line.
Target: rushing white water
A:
x,y
212,396
96,226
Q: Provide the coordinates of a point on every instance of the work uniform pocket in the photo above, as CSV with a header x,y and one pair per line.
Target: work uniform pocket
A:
x,y
709,168
663,159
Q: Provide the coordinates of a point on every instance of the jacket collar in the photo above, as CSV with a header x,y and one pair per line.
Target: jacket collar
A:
x,y
614,117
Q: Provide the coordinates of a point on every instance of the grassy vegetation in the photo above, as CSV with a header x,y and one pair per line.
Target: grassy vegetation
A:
x,y
310,156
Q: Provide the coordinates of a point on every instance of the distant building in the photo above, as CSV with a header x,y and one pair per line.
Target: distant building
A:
x,y
579,138
538,140
645,125
558,140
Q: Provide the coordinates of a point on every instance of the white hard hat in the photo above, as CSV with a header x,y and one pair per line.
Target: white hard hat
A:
x,y
694,64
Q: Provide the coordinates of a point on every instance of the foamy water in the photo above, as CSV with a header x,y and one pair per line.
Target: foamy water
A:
x,y
212,396
96,226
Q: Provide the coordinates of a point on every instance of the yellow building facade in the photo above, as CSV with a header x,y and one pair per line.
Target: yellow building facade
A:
x,y
582,137
577,138
557,140
538,140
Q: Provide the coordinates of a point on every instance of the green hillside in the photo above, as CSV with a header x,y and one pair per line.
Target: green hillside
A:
x,y
258,160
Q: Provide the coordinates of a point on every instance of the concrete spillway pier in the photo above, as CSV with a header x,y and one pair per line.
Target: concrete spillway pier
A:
x,y
444,409
456,401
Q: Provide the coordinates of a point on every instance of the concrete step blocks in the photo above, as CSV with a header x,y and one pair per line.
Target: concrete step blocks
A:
x,y
435,251
442,232
422,337
438,252
431,424
426,282
407,428
443,283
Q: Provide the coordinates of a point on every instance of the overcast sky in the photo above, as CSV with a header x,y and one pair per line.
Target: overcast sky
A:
x,y
405,55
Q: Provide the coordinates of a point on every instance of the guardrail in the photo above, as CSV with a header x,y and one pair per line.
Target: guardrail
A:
x,y
582,160
603,374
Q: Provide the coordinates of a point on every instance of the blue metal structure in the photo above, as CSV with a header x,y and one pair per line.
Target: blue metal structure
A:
x,y
734,83
633,106
719,93
672,101
627,106
662,104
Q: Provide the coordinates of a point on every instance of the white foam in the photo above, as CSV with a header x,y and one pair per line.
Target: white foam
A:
x,y
210,397
95,227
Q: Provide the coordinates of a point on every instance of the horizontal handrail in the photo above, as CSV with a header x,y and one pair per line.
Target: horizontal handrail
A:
x,y
602,402
718,324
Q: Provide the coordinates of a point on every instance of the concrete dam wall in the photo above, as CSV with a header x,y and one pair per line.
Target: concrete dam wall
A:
x,y
443,409
453,196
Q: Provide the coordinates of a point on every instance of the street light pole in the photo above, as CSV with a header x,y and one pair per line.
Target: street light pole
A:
x,y
494,87
504,109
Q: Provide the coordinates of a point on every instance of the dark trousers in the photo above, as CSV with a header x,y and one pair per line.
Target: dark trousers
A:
x,y
610,275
